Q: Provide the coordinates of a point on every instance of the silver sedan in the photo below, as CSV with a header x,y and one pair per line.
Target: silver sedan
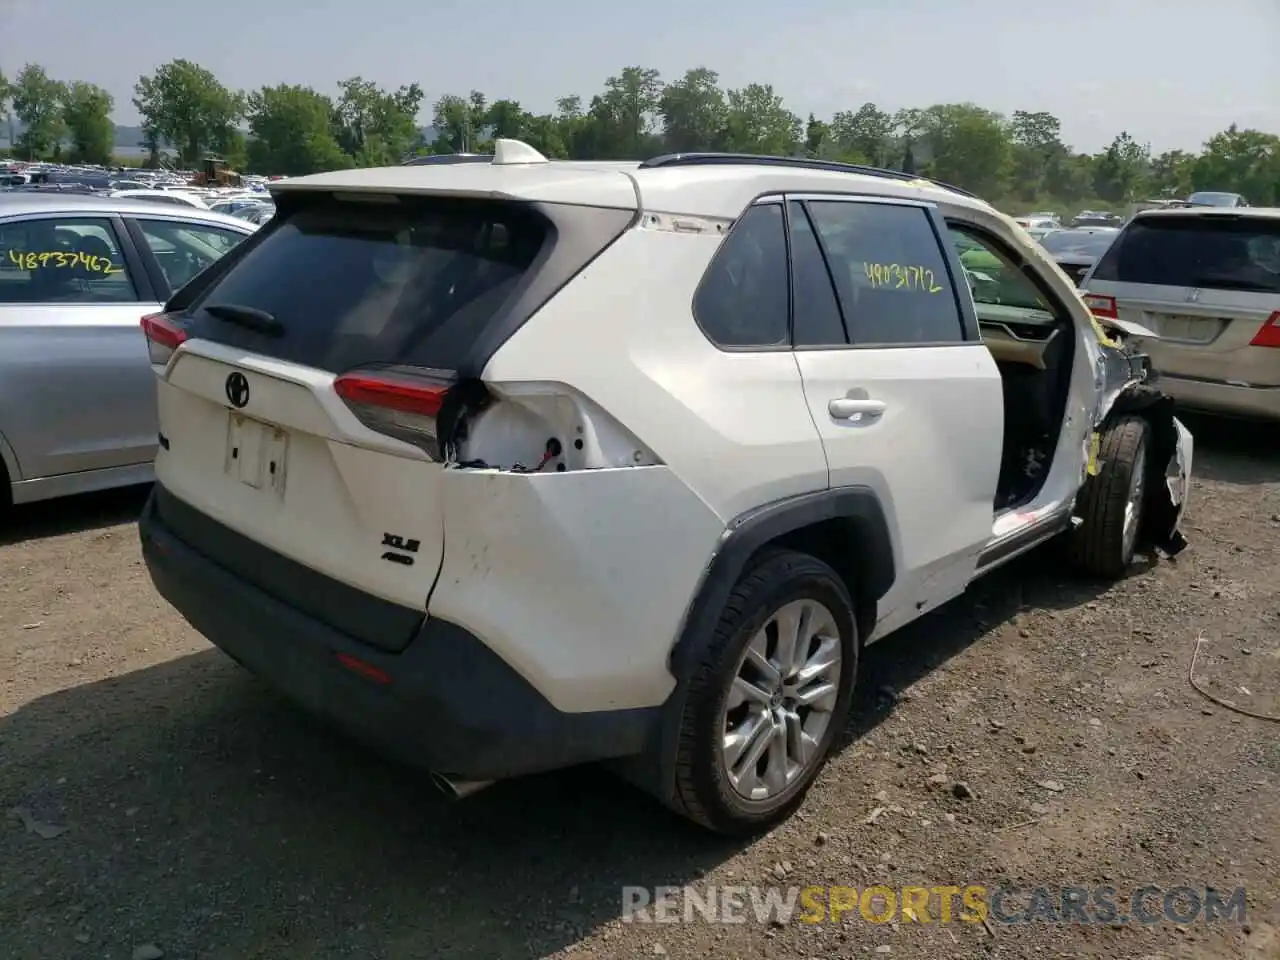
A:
x,y
77,273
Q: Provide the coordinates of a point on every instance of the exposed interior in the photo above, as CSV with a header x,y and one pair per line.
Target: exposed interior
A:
x,y
1029,335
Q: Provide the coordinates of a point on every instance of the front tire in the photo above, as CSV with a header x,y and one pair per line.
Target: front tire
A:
x,y
1111,503
769,696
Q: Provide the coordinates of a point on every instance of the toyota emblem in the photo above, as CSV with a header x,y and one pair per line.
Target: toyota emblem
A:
x,y
238,389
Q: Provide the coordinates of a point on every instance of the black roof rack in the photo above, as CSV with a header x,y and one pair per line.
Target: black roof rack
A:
x,y
447,158
834,166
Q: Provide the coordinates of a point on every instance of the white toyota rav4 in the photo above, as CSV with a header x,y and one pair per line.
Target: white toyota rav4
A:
x,y
511,465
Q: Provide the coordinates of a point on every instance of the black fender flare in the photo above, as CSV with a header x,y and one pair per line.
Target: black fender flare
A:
x,y
858,507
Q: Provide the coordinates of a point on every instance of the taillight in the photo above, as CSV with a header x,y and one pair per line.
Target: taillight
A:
x,y
1268,334
164,336
1101,306
398,403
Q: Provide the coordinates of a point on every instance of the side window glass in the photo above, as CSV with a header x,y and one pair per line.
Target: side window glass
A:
x,y
63,260
815,313
184,249
743,298
995,280
890,273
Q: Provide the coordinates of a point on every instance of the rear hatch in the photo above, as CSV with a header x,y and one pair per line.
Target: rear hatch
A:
x,y
300,408
1204,288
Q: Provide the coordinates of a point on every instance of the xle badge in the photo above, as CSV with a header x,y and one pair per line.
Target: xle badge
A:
x,y
399,543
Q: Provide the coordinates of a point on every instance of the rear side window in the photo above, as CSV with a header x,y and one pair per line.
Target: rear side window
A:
x,y
63,260
1209,252
352,283
890,273
184,249
742,301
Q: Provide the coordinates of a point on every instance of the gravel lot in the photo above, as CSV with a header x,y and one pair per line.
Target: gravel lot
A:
x,y
202,816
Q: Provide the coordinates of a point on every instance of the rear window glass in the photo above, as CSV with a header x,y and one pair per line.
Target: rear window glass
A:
x,y
1210,252
351,283
1077,243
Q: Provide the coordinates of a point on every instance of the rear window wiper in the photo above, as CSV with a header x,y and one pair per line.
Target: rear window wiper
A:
x,y
248,317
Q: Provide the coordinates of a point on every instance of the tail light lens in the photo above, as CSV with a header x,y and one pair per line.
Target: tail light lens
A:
x,y
400,403
164,336
1101,306
1268,334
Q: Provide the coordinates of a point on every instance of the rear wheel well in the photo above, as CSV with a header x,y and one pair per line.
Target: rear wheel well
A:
x,y
848,548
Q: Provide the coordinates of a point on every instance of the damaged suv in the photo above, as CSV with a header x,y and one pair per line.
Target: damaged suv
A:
x,y
509,466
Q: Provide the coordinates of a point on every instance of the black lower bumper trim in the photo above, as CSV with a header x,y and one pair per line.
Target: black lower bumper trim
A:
x,y
448,703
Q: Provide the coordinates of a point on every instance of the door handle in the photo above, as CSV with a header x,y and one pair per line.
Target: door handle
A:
x,y
846,408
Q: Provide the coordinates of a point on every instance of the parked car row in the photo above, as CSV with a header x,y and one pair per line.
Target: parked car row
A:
x,y
249,202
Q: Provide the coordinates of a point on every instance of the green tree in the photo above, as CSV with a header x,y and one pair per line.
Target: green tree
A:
x,y
622,117
182,103
291,133
909,124
545,135
5,115
37,103
757,122
865,135
459,125
1036,151
507,119
1120,171
969,147
817,139
374,126
1070,179
693,111
573,127
1241,161
86,114
1171,174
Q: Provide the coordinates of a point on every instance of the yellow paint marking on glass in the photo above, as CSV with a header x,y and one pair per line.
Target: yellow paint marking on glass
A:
x,y
60,259
900,276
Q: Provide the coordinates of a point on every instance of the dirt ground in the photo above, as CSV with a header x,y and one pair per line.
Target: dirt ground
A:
x,y
156,799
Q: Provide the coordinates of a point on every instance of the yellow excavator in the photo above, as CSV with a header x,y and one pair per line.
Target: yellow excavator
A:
x,y
216,173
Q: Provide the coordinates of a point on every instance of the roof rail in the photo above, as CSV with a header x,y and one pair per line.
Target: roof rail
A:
x,y
805,163
432,159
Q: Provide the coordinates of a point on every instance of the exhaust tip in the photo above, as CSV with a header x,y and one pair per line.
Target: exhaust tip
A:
x,y
458,789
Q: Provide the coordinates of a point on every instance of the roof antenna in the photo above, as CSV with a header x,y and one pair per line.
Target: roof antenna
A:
x,y
515,152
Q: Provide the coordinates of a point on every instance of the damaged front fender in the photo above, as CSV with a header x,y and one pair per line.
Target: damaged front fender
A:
x,y
1125,390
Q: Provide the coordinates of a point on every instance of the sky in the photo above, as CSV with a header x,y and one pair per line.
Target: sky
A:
x,y
1172,73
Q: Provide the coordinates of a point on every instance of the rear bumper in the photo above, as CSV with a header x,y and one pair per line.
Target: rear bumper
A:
x,y
1217,397
446,702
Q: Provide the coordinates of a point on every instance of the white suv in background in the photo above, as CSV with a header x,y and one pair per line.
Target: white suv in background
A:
x,y
1198,290
515,465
